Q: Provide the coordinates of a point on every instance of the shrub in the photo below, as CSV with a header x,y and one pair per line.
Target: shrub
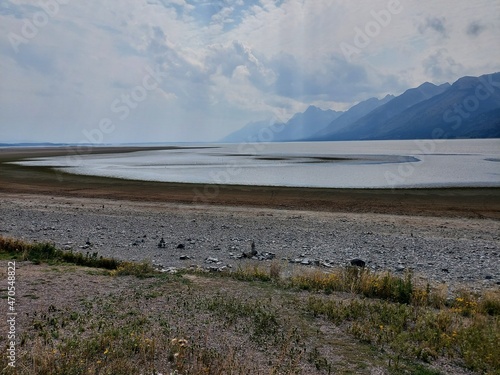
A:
x,y
143,269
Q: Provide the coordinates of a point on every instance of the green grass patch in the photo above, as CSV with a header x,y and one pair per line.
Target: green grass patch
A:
x,y
48,253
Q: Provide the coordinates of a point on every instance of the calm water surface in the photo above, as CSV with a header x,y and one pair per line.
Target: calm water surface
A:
x,y
367,164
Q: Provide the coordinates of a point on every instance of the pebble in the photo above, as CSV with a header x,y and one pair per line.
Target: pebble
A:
x,y
468,248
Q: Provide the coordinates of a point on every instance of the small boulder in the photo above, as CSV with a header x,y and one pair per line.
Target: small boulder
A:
x,y
162,243
356,262
266,256
305,262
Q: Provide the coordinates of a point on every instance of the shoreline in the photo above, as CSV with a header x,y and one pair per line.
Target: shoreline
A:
x,y
445,202
446,235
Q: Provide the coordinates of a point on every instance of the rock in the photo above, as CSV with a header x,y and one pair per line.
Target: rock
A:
x,y
211,260
356,262
400,268
180,246
162,244
305,262
184,257
446,270
265,256
170,270
326,264
250,254
216,269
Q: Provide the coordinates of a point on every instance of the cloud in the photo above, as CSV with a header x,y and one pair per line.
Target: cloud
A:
x,y
475,28
436,24
441,65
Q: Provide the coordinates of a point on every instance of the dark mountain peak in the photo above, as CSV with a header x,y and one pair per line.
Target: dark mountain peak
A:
x,y
426,85
422,92
312,109
465,83
426,90
350,116
373,102
307,123
313,112
469,82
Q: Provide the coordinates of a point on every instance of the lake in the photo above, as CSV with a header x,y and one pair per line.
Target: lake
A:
x,y
363,164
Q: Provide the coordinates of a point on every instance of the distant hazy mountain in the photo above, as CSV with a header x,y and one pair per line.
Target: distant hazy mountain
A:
x,y
470,108
306,124
369,125
33,144
249,133
353,114
301,125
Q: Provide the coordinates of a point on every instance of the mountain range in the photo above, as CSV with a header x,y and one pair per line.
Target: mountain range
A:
x,y
469,108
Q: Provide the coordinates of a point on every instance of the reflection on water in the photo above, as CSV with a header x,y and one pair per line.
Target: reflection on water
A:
x,y
374,164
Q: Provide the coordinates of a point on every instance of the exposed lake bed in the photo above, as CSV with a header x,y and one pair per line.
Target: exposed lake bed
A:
x,y
357,165
444,234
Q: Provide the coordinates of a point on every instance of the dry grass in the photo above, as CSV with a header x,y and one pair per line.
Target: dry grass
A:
x,y
253,320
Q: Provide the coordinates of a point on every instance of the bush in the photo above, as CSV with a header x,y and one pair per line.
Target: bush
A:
x,y
143,269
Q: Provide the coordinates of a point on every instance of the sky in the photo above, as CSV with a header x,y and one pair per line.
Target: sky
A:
x,y
100,71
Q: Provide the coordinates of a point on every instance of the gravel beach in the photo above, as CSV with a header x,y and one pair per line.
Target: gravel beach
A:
x,y
450,250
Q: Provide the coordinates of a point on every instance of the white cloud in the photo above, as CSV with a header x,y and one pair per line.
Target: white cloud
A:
x,y
227,62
